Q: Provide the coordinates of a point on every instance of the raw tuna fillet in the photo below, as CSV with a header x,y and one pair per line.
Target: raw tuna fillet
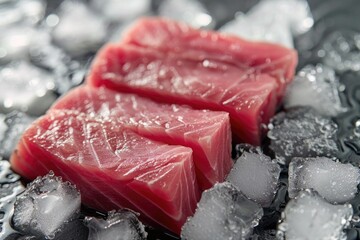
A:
x,y
206,132
249,98
112,167
184,41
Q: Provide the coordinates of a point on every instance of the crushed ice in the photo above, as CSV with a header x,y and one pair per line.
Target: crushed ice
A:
x,y
222,213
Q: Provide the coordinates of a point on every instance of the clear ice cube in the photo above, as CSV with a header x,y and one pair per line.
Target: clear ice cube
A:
x,y
26,88
256,176
16,123
334,181
118,225
302,132
309,216
317,87
79,30
46,206
222,213
189,11
121,11
258,24
342,51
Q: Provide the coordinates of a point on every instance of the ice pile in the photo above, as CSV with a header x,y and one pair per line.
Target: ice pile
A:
x,y
10,187
29,11
119,225
222,213
258,24
46,206
79,30
16,123
121,11
26,88
191,12
353,139
341,51
334,181
317,87
309,216
256,176
302,132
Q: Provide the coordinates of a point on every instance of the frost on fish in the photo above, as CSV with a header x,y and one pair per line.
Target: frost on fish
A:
x,y
250,99
222,213
174,38
46,206
256,176
334,181
317,87
118,225
111,166
302,132
309,216
207,133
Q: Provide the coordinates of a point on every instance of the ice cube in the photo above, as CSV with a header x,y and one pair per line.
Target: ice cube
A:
x,y
46,206
309,216
29,11
121,11
279,28
222,213
79,30
256,176
26,88
16,40
342,51
189,11
16,123
317,87
302,132
10,187
334,181
122,224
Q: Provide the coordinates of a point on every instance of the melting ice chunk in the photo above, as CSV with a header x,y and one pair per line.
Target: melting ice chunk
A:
x,y
118,225
258,24
315,86
10,187
45,206
16,123
29,11
189,11
115,10
309,216
222,213
335,181
302,132
256,176
80,30
342,51
26,88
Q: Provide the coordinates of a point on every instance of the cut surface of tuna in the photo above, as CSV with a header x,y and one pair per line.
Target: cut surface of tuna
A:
x,y
173,37
207,133
111,166
249,98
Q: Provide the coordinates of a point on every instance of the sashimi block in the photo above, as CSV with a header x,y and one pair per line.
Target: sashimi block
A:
x,y
207,133
113,167
184,41
249,98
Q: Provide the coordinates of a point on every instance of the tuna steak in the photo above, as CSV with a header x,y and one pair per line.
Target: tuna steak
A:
x,y
249,98
184,41
206,132
112,167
